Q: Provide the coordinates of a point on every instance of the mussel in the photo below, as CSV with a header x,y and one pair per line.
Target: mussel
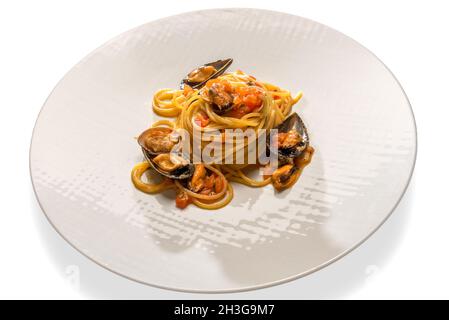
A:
x,y
292,138
157,146
199,76
219,97
285,176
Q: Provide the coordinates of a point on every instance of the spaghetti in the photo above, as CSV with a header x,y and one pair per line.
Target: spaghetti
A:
x,y
235,101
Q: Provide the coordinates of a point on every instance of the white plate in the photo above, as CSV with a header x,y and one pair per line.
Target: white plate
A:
x,y
359,120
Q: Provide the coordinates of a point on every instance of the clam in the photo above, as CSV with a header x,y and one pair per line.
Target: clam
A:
x,y
199,76
292,138
157,146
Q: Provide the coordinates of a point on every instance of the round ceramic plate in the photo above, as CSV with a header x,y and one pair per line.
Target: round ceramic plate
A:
x,y
359,120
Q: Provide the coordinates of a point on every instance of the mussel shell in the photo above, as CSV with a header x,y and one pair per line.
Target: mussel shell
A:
x,y
293,122
219,65
180,173
150,153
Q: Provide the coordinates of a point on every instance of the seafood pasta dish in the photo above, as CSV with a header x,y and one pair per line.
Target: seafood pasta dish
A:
x,y
217,129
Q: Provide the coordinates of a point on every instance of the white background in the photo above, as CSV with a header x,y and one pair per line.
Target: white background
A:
x,y
407,258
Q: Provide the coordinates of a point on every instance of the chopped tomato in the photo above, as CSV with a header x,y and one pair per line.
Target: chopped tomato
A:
x,y
252,101
183,200
187,90
250,96
238,111
202,119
